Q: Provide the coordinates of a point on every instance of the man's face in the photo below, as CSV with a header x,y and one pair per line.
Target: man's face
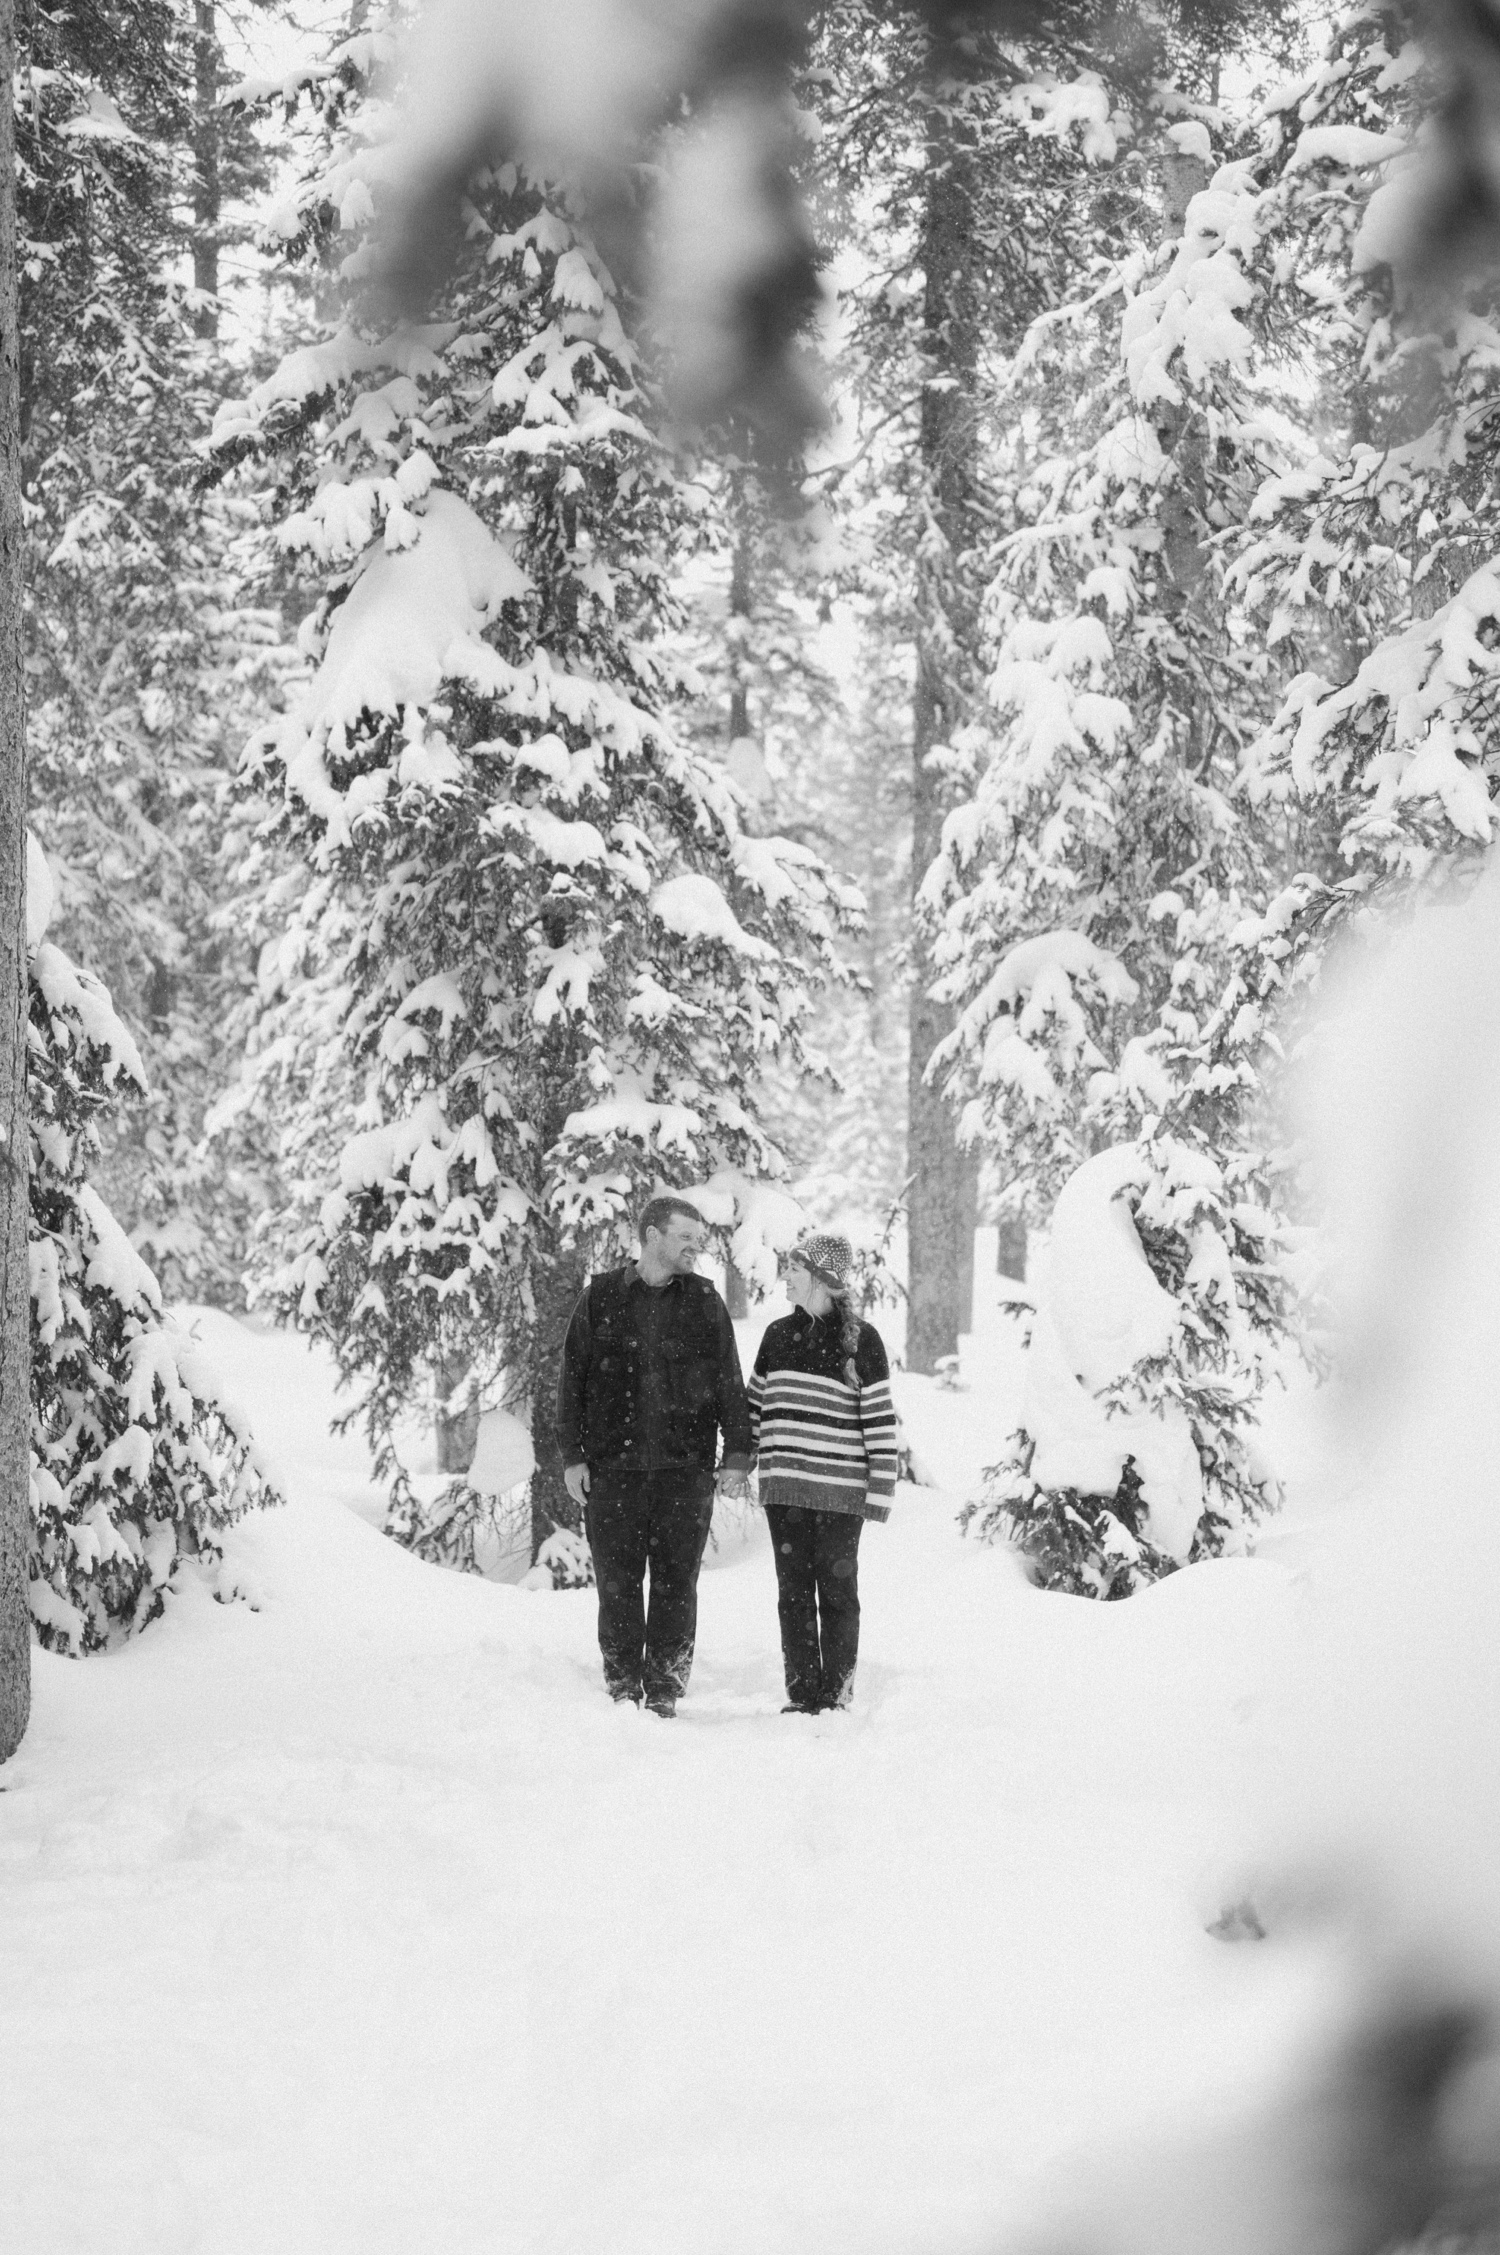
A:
x,y
679,1244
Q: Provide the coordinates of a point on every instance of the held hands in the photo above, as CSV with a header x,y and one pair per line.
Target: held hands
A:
x,y
734,1485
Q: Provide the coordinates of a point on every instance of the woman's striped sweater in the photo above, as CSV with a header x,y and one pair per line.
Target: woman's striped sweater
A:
x,y
820,1442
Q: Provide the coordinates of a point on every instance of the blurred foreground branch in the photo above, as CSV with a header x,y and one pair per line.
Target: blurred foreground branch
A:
x,y
700,91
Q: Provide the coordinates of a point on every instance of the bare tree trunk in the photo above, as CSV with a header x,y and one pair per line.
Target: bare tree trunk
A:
x,y
941,1205
205,168
15,1293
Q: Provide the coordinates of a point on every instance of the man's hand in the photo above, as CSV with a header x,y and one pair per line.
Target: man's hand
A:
x,y
576,1481
734,1485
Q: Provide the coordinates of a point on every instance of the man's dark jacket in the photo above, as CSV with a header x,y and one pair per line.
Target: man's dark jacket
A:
x,y
622,1405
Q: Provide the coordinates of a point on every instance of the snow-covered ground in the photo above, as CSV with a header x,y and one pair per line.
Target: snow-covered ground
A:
x,y
360,1921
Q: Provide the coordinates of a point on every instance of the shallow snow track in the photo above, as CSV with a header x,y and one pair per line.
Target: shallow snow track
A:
x,y
361,1921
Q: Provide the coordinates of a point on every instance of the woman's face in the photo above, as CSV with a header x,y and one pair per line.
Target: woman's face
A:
x,y
805,1290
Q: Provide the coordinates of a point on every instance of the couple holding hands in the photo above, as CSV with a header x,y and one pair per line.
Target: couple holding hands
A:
x,y
650,1380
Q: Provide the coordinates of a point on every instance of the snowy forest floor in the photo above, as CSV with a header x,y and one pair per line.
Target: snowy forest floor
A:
x,y
360,1921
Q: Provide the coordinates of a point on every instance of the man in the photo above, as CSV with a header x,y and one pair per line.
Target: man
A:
x,y
650,1377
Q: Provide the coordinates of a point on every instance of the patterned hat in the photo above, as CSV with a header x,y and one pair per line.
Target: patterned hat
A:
x,y
829,1257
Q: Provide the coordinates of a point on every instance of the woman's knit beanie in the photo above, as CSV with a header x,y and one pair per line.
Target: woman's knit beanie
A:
x,y
829,1257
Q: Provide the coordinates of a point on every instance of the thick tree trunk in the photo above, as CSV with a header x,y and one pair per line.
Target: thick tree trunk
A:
x,y
556,1288
15,1294
942,1200
205,168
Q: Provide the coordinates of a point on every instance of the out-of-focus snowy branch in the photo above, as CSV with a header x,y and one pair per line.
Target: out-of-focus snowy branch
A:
x,y
1452,221
588,91
698,93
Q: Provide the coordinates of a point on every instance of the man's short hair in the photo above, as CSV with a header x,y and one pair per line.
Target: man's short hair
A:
x,y
658,1211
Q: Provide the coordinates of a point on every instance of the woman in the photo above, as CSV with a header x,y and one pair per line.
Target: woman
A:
x,y
822,1421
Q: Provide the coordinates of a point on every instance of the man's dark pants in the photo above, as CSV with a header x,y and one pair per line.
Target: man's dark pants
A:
x,y
817,1562
638,1521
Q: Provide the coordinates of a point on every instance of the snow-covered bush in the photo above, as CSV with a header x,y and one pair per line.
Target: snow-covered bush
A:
x,y
138,1463
565,1560
532,963
477,1520
1155,1315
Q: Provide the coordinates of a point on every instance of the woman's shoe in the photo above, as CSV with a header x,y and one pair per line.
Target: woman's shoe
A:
x,y
800,1707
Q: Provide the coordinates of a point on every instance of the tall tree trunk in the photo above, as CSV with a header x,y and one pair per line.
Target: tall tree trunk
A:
x,y
736,1290
205,168
15,1293
1181,435
942,1202
556,1288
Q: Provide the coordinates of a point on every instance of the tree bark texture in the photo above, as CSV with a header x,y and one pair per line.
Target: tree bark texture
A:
x,y
456,1430
1011,1246
941,1202
15,1293
205,168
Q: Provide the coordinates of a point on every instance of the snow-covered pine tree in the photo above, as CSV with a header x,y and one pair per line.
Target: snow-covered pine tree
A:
x,y
15,1313
533,964
804,699
1101,846
138,1463
978,169
146,668
1101,888
1373,565
933,164
852,798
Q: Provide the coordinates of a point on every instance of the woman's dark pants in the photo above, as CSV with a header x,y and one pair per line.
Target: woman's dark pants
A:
x,y
817,1579
638,1521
